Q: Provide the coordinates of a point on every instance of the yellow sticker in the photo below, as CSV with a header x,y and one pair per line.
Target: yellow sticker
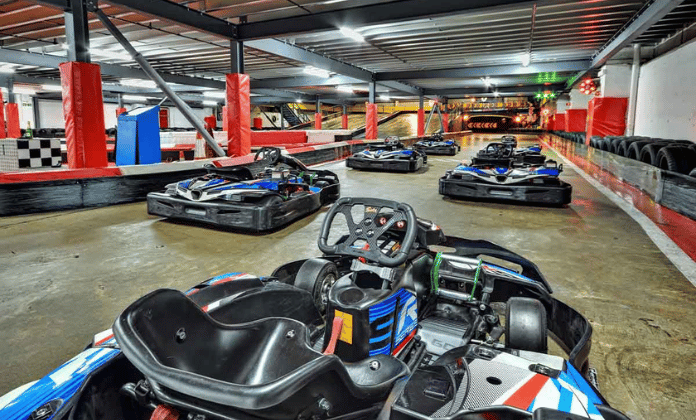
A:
x,y
347,329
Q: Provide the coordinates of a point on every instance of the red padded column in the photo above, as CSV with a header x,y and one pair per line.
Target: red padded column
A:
x,y
317,120
258,123
13,130
344,121
83,110
576,120
2,118
421,123
371,121
559,122
445,121
225,120
607,117
238,115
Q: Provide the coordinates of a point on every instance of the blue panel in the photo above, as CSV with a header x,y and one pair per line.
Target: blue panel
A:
x,y
127,139
148,135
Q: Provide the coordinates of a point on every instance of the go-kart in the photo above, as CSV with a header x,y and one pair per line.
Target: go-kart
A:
x,y
505,154
271,192
437,145
394,321
391,155
537,184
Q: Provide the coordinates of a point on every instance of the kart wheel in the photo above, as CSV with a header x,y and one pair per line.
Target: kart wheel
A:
x,y
317,276
270,200
525,325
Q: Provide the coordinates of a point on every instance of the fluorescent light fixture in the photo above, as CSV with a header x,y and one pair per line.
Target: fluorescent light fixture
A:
x,y
299,101
215,94
317,72
496,93
486,81
484,99
134,98
526,59
346,89
6,69
23,91
138,83
352,34
210,103
384,97
52,88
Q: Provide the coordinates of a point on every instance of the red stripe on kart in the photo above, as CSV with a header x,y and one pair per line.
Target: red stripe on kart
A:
x,y
524,396
403,343
104,340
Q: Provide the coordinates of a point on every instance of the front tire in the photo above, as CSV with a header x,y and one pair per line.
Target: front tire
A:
x,y
317,276
525,325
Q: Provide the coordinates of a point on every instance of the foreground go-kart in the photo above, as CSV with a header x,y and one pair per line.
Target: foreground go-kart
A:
x,y
273,191
394,321
391,155
437,145
506,154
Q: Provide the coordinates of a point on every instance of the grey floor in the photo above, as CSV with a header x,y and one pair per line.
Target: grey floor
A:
x,y
65,276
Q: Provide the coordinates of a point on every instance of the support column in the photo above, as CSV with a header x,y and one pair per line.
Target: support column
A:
x,y
236,56
12,112
421,118
83,110
445,122
317,115
35,110
344,118
282,119
238,115
77,31
633,93
371,119
3,134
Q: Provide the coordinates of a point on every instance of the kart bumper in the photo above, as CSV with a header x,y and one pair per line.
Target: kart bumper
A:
x,y
538,194
396,165
439,150
242,216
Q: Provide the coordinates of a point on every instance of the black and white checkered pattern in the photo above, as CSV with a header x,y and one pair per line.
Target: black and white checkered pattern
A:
x,y
38,153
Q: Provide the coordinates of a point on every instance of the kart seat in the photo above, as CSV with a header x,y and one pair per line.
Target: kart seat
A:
x,y
264,367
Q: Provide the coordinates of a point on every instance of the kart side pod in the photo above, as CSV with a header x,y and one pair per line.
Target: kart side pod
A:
x,y
374,321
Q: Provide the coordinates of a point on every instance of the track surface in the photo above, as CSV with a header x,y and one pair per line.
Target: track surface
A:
x,y
65,276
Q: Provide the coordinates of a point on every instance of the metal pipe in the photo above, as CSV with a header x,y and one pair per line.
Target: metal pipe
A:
x,y
451,294
633,94
152,73
430,116
10,91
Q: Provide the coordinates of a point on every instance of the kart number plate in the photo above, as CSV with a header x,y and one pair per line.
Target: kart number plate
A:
x,y
501,192
195,212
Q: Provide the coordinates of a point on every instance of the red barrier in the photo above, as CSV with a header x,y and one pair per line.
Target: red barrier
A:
x,y
211,120
606,117
371,121
445,122
575,120
13,130
258,123
83,110
225,120
559,122
238,115
164,117
317,120
270,138
344,121
2,118
421,123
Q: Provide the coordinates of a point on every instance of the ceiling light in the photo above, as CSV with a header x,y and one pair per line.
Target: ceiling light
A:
x,y
135,98
138,83
352,34
486,81
215,94
317,72
210,103
23,91
299,101
52,88
347,89
484,99
6,69
526,59
384,97
496,93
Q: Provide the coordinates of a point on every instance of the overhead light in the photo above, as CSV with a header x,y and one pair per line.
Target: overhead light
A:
x,y
134,98
138,83
317,72
384,97
299,101
486,81
352,34
496,93
23,90
215,94
52,88
6,69
346,89
210,103
484,99
473,99
526,59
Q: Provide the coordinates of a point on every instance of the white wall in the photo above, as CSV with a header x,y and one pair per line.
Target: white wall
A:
x,y
615,80
579,100
666,106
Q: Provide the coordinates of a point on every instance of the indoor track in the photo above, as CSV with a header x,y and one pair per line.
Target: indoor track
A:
x,y
65,276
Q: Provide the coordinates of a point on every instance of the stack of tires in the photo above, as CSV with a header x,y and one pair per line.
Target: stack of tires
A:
x,y
574,137
671,155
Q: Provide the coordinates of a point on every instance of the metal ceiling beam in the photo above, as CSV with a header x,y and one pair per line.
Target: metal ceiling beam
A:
x,y
474,72
289,82
508,90
365,15
638,24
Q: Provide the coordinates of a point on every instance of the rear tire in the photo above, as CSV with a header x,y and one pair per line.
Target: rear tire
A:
x,y
525,325
317,276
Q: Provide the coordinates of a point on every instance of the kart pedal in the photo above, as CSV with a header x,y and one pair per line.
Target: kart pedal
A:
x,y
336,328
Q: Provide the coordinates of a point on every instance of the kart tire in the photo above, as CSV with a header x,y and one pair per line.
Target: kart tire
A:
x,y
693,173
648,154
676,159
605,144
270,200
317,276
525,325
633,151
614,145
321,184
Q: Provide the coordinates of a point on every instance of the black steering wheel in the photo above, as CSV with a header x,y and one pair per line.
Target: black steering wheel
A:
x,y
270,154
369,229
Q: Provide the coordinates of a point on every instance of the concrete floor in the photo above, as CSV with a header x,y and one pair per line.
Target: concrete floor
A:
x,y
65,276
